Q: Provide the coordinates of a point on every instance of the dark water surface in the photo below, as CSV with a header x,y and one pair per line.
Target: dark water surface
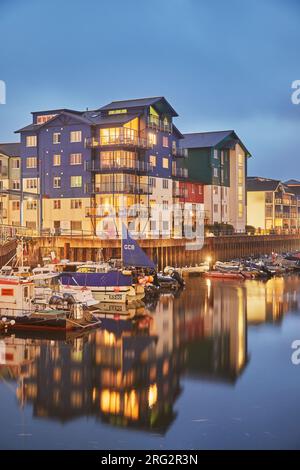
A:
x,y
209,369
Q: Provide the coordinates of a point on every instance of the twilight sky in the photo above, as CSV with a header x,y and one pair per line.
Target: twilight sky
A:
x,y
221,64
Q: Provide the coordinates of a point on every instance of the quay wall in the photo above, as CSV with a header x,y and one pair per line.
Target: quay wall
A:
x,y
7,251
165,252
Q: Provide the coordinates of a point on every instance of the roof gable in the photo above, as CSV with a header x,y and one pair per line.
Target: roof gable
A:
x,y
213,139
11,149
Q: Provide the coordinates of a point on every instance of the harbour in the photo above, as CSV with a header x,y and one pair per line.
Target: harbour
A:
x,y
202,368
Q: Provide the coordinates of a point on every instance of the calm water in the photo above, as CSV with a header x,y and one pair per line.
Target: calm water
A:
x,y
209,369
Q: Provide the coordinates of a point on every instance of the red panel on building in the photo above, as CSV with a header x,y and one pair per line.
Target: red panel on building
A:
x,y
193,192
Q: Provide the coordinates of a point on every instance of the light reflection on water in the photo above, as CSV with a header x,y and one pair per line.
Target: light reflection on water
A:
x,y
157,379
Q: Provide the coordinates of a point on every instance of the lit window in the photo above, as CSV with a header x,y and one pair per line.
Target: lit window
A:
x,y
165,141
56,204
31,162
56,182
152,160
31,183
56,159
56,137
16,184
44,118
75,136
241,209
117,111
31,141
152,138
16,205
75,159
165,162
76,181
31,205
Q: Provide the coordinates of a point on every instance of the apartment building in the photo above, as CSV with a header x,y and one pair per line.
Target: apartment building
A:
x,y
272,206
10,184
87,165
219,161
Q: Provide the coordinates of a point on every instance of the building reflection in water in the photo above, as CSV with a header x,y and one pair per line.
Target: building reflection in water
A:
x,y
128,372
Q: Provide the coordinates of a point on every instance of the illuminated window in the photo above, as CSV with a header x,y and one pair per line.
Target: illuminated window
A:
x,y
241,209
75,136
165,162
76,399
117,111
56,182
56,137
31,141
56,159
15,205
57,374
56,204
31,162
152,138
152,395
152,160
31,183
31,205
131,405
75,159
165,141
76,377
110,402
44,118
16,184
76,181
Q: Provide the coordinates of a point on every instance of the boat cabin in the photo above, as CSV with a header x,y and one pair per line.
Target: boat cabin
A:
x,y
15,296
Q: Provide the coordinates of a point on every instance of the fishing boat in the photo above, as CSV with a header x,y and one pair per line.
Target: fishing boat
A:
x,y
110,284
18,306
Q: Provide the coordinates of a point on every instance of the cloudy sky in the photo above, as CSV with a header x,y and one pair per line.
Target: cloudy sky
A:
x,y
222,65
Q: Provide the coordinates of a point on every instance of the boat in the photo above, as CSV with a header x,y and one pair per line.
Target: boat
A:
x,y
112,284
18,306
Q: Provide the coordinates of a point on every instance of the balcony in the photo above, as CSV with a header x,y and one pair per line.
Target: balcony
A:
x,y
121,166
179,152
179,193
122,188
180,173
3,213
154,122
3,171
120,141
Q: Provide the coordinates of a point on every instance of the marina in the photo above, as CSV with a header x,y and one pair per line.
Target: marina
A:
x,y
193,369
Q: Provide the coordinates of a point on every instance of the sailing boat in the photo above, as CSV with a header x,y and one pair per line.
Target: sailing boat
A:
x,y
110,284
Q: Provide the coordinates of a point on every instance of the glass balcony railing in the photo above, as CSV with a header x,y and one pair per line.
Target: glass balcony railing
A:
x,y
180,173
179,152
154,122
120,166
122,187
121,140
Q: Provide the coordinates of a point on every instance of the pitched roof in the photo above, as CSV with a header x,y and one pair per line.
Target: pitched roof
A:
x,y
256,183
11,149
292,182
137,103
204,139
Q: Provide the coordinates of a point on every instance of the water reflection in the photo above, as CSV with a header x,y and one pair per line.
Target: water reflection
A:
x,y
128,373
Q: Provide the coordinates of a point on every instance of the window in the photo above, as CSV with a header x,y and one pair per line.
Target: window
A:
x,y
76,225
216,190
165,225
44,118
152,138
75,159
200,190
152,160
15,163
16,184
165,141
165,184
76,181
56,182
56,159
31,205
215,153
16,205
241,176
165,162
216,173
31,162
216,207
56,138
76,203
56,204
153,225
165,205
152,182
117,111
31,141
75,136
193,189
31,184
241,209
241,160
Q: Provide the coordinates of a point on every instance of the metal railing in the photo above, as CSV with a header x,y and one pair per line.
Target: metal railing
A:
x,y
180,173
122,140
122,187
179,152
120,166
154,122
